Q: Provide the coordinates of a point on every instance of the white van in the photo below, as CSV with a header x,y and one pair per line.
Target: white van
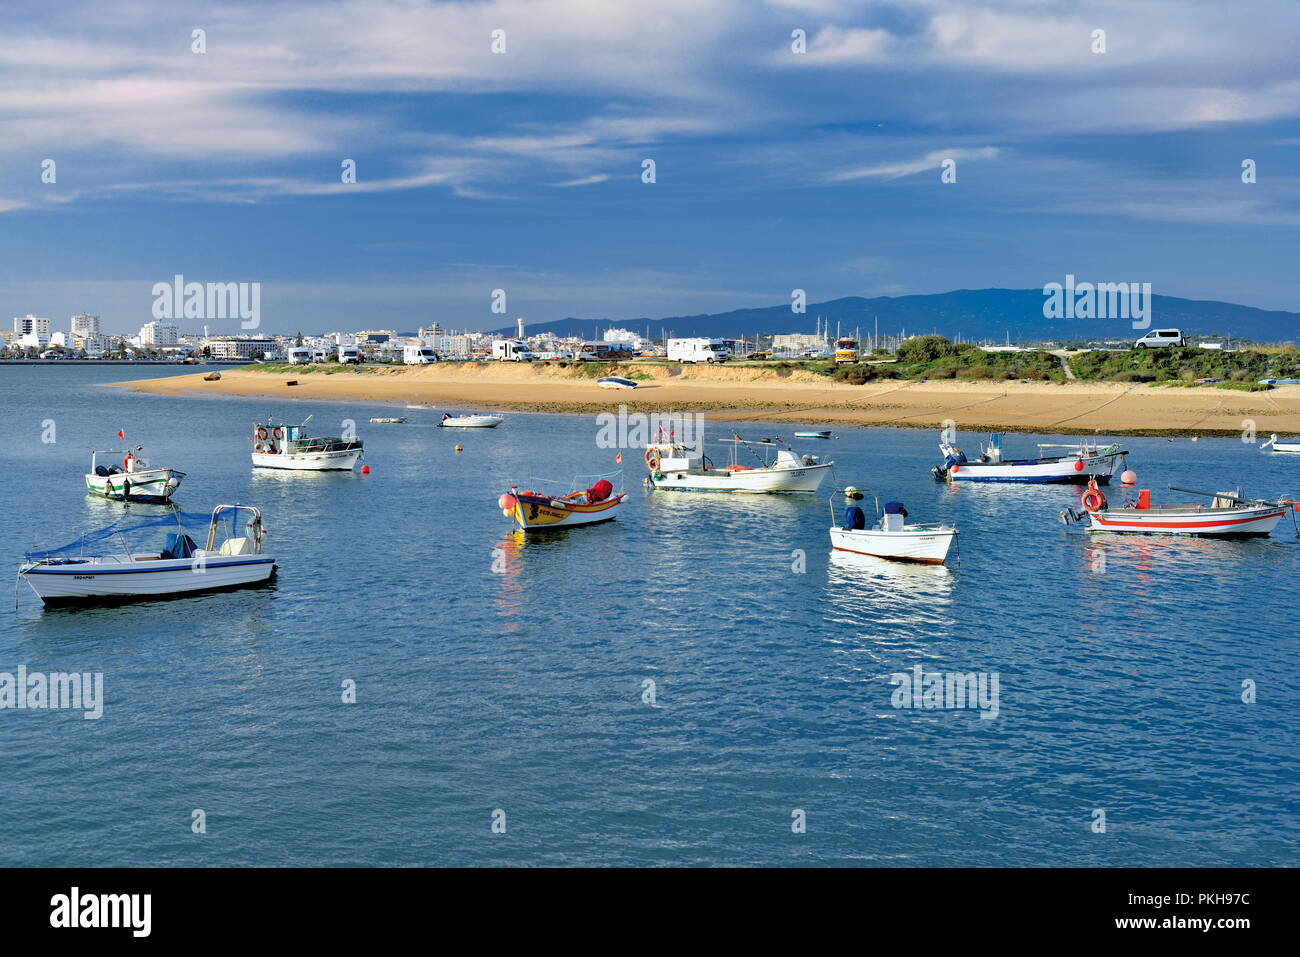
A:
x,y
299,356
512,350
319,355
1160,339
697,350
349,355
418,355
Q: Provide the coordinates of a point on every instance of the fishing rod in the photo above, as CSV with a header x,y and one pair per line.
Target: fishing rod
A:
x,y
1234,498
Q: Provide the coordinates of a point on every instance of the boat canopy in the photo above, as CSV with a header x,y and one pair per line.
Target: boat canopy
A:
x,y
123,526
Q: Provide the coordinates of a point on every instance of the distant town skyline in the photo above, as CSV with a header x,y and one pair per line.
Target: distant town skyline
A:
x,y
389,164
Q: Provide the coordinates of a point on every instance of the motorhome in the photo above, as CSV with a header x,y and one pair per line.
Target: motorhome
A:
x,y
511,350
349,355
697,350
319,355
418,355
846,350
299,356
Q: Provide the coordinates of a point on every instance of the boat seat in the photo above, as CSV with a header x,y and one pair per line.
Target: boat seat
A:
x,y
236,546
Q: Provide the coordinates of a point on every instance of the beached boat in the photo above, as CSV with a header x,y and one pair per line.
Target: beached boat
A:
x,y
674,465
92,570
481,421
289,447
823,434
615,382
891,537
212,377
133,481
1228,515
535,511
1287,447
1080,463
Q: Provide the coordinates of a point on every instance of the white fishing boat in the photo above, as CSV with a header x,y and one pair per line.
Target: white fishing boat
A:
x,y
289,447
133,481
479,421
1228,515
1079,463
674,465
536,511
389,420
1285,447
891,536
86,571
822,434
615,382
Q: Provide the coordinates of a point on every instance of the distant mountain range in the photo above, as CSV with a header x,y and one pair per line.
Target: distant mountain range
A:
x,y
972,314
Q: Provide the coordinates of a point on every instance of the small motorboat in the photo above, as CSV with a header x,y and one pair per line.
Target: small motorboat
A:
x,y
289,447
534,511
1290,447
80,573
675,465
1228,515
134,481
1080,463
479,421
824,434
891,537
615,382
392,420
212,377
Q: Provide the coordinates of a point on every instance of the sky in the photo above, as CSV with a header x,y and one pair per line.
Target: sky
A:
x,y
524,170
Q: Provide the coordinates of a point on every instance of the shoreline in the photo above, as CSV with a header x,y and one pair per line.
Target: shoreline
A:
x,y
795,396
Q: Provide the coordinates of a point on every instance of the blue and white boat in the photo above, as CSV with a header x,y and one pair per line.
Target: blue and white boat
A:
x,y
615,382
1077,465
84,572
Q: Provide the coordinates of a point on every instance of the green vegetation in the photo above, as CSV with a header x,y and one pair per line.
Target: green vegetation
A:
x,y
1241,369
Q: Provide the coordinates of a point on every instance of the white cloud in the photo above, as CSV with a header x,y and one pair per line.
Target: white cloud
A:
x,y
896,169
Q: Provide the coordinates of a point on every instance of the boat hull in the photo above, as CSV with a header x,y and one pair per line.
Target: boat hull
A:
x,y
89,582
341,460
148,485
540,513
472,422
1254,521
803,479
926,546
1069,471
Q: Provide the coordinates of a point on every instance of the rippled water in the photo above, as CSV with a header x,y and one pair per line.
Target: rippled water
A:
x,y
1120,662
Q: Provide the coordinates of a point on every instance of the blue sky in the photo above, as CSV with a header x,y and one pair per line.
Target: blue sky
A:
x,y
522,171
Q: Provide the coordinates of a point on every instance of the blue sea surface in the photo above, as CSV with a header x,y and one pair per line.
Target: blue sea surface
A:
x,y
507,680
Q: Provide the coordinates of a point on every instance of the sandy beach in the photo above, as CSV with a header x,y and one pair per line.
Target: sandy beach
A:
x,y
794,395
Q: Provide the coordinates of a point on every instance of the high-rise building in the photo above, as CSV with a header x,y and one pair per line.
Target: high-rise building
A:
x,y
30,323
158,334
85,325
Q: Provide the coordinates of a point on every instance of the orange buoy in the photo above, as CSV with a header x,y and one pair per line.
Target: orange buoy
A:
x,y
365,470
460,448
1129,477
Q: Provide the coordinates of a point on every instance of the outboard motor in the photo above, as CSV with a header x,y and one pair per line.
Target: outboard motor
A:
x,y
855,518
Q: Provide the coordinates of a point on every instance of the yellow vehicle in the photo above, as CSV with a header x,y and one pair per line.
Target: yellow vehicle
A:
x,y
846,350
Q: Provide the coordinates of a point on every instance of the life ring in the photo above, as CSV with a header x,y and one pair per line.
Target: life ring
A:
x,y
1093,500
259,447
652,461
278,433
261,433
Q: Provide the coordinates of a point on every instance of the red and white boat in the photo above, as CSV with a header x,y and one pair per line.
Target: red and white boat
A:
x,y
1227,516
536,511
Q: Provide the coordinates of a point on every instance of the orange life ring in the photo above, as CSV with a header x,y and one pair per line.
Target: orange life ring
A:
x,y
652,461
1093,500
278,433
261,433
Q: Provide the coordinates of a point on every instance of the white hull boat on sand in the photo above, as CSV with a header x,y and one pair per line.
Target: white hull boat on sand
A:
x,y
289,447
891,537
134,481
73,575
674,465
1227,516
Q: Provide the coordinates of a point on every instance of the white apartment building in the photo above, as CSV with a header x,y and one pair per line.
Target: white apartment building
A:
x,y
159,334
30,323
227,347
85,325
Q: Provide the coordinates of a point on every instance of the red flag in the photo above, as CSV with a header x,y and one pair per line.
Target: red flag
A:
x,y
619,458
120,435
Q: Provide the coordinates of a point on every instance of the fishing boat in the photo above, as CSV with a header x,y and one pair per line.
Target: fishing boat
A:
x,y
289,447
391,420
536,511
615,382
1079,463
1291,447
824,434
1228,515
479,421
891,537
675,465
90,570
134,481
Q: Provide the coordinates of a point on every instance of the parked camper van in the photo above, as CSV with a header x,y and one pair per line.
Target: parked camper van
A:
x,y
349,355
511,350
418,355
1161,338
697,350
299,356
320,355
